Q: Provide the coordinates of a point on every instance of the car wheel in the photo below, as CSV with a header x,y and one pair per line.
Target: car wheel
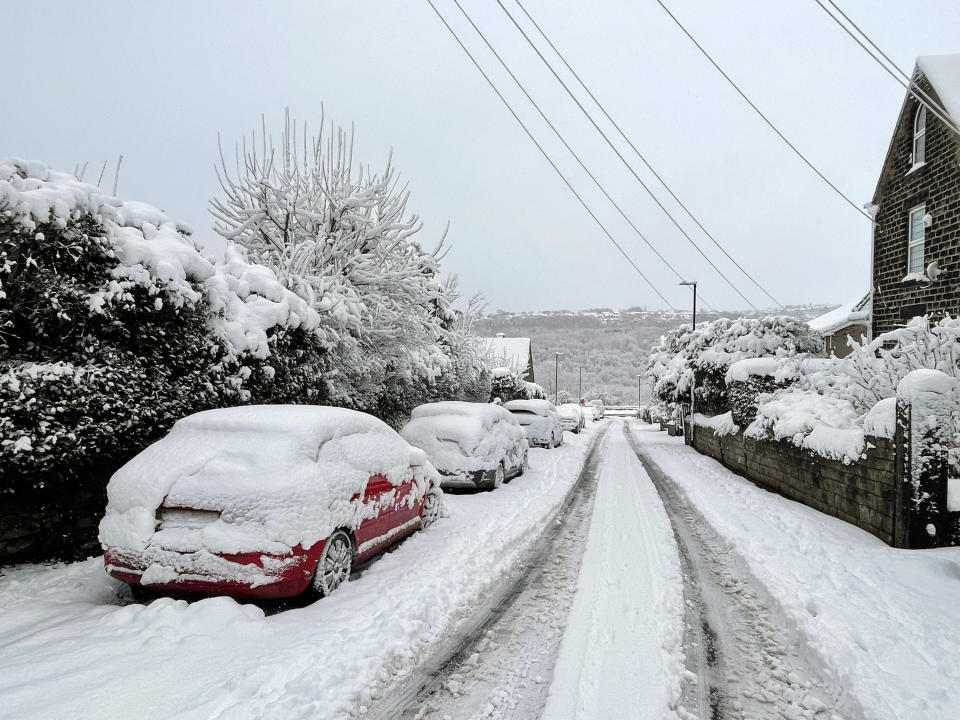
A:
x,y
333,568
432,504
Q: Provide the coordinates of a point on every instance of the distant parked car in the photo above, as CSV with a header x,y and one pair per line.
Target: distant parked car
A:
x,y
264,501
539,419
571,417
597,406
472,445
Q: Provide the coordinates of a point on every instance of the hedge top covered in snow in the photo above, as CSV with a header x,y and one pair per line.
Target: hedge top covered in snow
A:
x,y
280,476
155,252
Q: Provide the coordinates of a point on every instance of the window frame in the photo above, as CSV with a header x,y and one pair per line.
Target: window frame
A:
x,y
911,241
919,135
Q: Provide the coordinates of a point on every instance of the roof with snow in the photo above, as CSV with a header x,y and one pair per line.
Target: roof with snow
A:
x,y
842,316
943,72
514,353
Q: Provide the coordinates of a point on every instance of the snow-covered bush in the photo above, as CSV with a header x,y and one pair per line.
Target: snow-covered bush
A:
x,y
340,235
507,385
828,406
705,353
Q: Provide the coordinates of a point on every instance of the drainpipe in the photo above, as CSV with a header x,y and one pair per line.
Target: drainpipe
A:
x,y
872,211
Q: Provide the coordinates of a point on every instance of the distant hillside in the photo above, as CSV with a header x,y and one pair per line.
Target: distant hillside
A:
x,y
610,345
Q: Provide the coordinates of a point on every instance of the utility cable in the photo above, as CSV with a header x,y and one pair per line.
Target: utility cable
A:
x,y
760,113
560,137
640,155
625,162
910,85
545,155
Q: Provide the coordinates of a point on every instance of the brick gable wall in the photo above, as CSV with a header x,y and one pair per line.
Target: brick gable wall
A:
x,y
937,185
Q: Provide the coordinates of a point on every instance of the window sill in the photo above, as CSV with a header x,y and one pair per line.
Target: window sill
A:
x,y
916,166
915,278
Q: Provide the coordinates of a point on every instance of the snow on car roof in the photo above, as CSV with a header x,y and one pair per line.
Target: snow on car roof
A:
x,y
312,423
569,409
484,412
540,407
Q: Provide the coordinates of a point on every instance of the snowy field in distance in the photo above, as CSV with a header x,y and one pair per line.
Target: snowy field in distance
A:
x,y
882,620
69,650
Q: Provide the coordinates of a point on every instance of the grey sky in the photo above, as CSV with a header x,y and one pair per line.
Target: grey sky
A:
x,y
87,81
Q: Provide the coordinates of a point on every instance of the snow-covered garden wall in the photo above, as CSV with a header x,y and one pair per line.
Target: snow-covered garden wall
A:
x,y
113,325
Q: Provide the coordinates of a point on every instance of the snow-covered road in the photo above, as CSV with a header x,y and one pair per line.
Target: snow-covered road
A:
x,y
659,586
69,650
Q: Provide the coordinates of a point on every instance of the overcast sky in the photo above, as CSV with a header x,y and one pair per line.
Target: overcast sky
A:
x,y
156,82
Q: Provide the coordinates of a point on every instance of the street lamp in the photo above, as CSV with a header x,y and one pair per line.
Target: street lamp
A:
x,y
639,393
556,377
580,388
693,381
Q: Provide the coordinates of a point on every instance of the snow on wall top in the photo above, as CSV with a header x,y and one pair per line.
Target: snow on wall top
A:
x,y
943,72
246,299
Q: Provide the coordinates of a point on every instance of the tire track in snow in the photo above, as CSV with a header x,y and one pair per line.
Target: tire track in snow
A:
x,y
745,662
500,663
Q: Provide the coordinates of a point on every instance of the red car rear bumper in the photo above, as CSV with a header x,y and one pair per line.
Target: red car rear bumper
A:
x,y
276,576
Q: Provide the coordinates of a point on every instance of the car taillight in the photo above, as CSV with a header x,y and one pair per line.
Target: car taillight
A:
x,y
185,518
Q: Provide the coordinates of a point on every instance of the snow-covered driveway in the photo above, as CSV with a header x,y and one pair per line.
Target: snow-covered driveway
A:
x,y
68,650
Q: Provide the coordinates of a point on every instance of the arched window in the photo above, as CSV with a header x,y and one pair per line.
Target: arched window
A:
x,y
920,136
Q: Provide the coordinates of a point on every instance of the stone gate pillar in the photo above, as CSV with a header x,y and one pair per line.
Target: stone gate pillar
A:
x,y
926,401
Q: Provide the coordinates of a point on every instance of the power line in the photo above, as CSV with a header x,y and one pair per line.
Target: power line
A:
x,y
640,155
625,162
560,137
545,155
760,113
910,85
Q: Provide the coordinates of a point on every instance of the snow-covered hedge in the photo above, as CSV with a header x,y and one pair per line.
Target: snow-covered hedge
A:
x,y
707,352
507,384
836,402
113,325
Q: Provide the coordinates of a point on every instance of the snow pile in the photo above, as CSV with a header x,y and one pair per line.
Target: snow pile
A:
x,y
623,646
880,620
462,437
743,370
881,419
281,476
720,424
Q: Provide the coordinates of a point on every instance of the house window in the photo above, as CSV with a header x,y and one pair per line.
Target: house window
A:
x,y
915,240
920,136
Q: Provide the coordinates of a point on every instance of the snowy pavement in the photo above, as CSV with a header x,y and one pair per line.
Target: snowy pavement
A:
x,y
69,649
876,623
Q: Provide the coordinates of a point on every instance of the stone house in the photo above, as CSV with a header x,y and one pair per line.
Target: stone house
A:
x,y
837,326
916,205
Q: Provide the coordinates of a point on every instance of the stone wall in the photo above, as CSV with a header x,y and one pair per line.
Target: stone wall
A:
x,y
863,493
935,184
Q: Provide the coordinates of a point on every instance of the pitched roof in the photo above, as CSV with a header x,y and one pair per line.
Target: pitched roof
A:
x,y
848,314
943,72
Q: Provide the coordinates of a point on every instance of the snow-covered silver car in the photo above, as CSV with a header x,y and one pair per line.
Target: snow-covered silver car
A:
x,y
472,445
571,417
539,420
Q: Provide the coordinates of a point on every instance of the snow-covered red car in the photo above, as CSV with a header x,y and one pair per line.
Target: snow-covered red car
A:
x,y
472,445
539,420
264,501
571,417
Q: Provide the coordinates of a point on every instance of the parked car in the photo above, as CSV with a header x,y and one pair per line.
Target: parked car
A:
x,y
571,417
539,420
472,445
264,501
597,406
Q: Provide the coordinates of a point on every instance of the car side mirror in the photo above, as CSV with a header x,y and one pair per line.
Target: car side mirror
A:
x,y
418,458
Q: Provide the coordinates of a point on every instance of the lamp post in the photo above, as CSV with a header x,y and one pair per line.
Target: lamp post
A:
x,y
639,393
580,387
693,382
556,377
